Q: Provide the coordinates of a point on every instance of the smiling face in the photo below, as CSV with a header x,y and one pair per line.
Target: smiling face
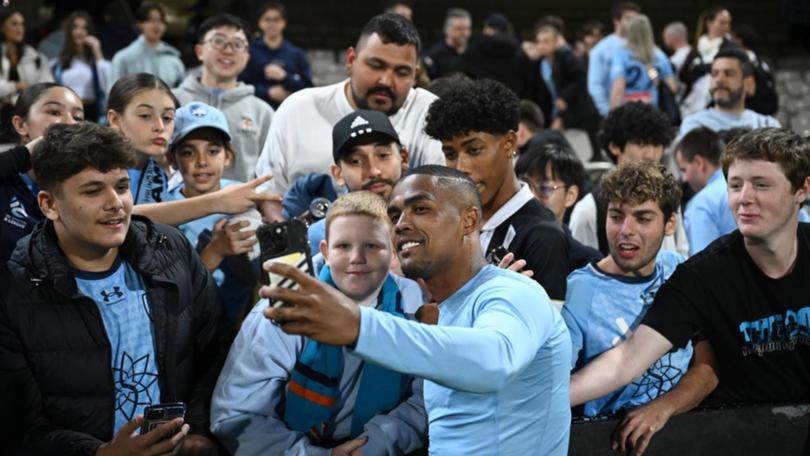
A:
x,y
91,210
218,55
381,74
762,200
201,158
635,233
429,228
147,120
55,105
375,166
487,160
358,252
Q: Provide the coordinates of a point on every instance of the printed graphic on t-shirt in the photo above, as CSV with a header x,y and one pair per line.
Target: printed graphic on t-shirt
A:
x,y
134,379
779,332
661,377
123,303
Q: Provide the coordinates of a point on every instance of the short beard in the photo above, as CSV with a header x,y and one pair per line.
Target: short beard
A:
x,y
362,103
732,101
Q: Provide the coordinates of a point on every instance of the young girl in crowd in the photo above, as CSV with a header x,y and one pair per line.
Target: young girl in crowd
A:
x,y
201,151
81,65
37,107
142,108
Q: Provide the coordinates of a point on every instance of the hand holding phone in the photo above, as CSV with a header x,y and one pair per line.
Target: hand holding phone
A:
x,y
164,438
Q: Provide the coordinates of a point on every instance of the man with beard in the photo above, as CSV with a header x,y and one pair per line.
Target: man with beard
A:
x,y
382,70
732,77
368,156
495,367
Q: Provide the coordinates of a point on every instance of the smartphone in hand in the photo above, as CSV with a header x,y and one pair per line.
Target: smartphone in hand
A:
x,y
285,242
155,415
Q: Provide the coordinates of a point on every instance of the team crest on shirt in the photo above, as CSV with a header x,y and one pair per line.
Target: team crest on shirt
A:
x,y
18,215
247,125
199,111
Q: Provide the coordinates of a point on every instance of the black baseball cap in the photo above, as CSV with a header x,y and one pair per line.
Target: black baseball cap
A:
x,y
360,124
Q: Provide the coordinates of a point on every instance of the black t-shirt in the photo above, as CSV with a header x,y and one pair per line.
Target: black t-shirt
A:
x,y
533,234
759,327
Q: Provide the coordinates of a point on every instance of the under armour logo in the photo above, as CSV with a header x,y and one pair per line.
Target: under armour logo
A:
x,y
17,209
115,293
358,121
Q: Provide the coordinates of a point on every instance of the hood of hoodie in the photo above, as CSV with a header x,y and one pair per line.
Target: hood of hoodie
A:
x,y
162,47
198,92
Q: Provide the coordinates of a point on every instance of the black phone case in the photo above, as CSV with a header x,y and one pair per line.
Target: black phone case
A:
x,y
288,243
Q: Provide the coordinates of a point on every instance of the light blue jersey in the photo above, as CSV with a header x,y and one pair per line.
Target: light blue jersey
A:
x,y
125,309
638,84
148,185
496,367
601,310
199,233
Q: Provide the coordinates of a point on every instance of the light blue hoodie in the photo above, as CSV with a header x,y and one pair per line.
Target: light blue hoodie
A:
x,y
163,61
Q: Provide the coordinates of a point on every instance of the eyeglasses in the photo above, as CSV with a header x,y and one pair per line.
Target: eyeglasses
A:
x,y
220,43
547,190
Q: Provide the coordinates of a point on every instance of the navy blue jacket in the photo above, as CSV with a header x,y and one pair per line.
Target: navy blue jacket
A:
x,y
19,211
288,56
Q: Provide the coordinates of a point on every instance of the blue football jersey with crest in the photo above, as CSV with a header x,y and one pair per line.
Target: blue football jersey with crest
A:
x,y
125,309
601,310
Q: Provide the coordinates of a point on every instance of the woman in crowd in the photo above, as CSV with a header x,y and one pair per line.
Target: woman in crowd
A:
x,y
717,27
81,65
639,68
20,65
142,107
37,107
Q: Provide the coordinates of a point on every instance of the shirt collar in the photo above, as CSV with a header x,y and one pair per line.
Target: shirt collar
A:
x,y
523,196
716,176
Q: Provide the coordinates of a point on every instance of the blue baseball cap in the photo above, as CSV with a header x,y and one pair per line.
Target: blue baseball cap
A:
x,y
195,115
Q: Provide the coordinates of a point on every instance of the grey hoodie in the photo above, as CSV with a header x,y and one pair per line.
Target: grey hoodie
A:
x,y
248,117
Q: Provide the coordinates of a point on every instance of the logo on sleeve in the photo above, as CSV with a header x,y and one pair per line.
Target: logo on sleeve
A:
x,y
18,216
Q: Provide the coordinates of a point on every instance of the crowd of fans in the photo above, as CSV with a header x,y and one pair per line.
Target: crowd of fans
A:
x,y
507,244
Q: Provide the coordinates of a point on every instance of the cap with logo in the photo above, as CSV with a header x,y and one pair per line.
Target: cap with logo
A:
x,y
358,125
196,115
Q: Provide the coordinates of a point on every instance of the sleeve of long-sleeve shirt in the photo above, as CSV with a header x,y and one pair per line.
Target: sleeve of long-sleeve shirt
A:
x,y
400,431
596,85
510,325
302,78
250,387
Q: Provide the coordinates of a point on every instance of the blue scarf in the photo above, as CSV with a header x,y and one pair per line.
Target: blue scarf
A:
x,y
314,386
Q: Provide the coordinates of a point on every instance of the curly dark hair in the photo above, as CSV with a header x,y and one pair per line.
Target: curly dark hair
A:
x,y
483,105
778,145
635,122
638,182
68,149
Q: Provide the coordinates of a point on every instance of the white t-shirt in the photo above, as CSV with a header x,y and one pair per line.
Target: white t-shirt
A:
x,y
300,137
79,77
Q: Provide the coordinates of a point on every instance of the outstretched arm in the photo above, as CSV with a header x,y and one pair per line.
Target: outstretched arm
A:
x,y
618,366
